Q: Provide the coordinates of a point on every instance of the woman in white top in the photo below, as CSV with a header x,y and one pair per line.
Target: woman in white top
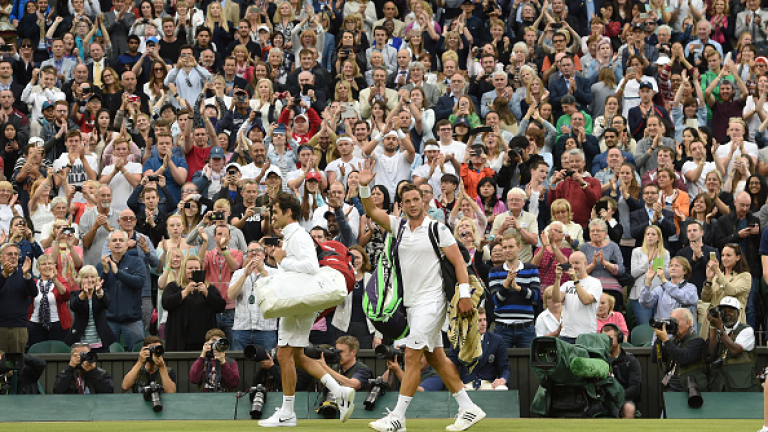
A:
x,y
50,318
366,9
267,105
343,94
642,257
147,15
39,207
191,17
549,322
423,116
308,34
171,266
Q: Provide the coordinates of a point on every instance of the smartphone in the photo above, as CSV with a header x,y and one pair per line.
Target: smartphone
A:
x,y
565,267
258,210
133,98
68,230
217,216
349,111
658,263
198,276
40,144
630,70
713,256
271,241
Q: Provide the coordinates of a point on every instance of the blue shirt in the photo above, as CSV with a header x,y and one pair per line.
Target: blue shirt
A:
x,y
155,163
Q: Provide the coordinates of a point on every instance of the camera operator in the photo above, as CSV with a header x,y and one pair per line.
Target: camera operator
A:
x,y
731,349
354,373
81,375
212,369
429,379
492,369
626,370
150,368
24,380
267,373
682,355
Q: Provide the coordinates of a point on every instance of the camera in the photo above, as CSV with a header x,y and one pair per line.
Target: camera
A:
x,y
90,357
557,26
258,353
153,178
272,241
258,398
565,266
78,188
671,324
378,389
544,353
345,52
217,216
385,352
68,230
151,393
331,354
281,95
296,100
569,173
156,351
233,172
187,205
513,153
198,276
219,345
716,312
328,408
133,98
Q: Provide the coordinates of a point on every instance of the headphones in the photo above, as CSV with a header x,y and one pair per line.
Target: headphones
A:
x,y
619,333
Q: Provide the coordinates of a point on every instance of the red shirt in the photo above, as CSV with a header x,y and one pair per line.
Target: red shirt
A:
x,y
196,160
218,273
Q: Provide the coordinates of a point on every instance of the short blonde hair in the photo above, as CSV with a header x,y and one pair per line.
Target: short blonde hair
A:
x,y
88,270
222,202
611,300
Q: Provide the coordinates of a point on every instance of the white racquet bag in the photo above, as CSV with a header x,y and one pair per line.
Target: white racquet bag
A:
x,y
284,294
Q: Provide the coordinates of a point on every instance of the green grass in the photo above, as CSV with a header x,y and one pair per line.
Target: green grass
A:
x,y
488,425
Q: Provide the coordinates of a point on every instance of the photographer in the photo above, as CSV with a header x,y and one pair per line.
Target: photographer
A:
x,y
625,368
682,354
81,375
731,349
212,369
429,379
353,373
150,368
21,381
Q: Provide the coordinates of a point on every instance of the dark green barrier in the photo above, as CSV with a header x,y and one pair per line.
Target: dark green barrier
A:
x,y
716,406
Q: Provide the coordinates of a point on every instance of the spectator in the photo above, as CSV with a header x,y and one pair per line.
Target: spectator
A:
x,y
579,189
569,84
81,375
250,326
682,354
669,295
638,116
95,226
626,370
653,140
606,316
49,317
190,296
647,257
519,222
552,253
491,372
653,213
731,278
515,288
579,298
17,290
352,372
605,260
211,369
90,308
734,343
150,368
123,275
725,106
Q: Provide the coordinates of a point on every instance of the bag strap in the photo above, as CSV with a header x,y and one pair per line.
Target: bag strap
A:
x,y
433,234
395,249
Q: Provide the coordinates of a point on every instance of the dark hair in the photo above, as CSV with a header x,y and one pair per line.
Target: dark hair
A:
x,y
493,199
287,202
398,197
741,265
202,28
387,200
759,199
149,340
319,228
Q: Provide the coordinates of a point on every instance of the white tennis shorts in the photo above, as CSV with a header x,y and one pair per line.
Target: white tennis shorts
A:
x,y
294,331
426,322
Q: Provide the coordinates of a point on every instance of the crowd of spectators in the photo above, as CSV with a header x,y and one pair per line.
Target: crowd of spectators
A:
x,y
602,163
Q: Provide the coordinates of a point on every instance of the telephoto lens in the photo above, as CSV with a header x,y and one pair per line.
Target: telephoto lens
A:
x,y
259,394
378,389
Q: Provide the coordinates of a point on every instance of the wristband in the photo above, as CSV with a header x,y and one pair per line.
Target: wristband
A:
x,y
364,191
400,135
464,291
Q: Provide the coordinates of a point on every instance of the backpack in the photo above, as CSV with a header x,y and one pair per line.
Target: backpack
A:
x,y
383,297
335,255
447,270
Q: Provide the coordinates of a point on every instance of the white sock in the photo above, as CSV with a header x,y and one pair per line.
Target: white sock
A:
x,y
288,404
402,405
463,399
329,382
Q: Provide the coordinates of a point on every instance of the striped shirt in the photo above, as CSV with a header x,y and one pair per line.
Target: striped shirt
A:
x,y
511,306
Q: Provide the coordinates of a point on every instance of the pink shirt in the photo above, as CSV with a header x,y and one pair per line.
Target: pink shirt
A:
x,y
614,318
217,271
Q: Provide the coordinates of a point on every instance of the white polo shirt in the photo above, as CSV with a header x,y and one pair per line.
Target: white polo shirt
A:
x,y
422,278
577,317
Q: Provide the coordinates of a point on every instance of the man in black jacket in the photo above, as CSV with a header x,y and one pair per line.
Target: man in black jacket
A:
x,y
743,228
682,353
652,214
82,377
626,370
16,291
697,253
24,380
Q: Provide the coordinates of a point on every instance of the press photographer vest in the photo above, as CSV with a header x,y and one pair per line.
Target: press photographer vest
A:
x,y
697,369
736,373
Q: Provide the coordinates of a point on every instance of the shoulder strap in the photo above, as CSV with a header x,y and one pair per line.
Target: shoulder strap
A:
x,y
433,236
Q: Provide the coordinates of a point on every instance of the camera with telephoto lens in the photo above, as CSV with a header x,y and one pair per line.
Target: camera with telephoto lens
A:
x,y
155,351
258,395
385,352
330,354
378,389
90,357
327,406
151,393
659,324
219,345
258,353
